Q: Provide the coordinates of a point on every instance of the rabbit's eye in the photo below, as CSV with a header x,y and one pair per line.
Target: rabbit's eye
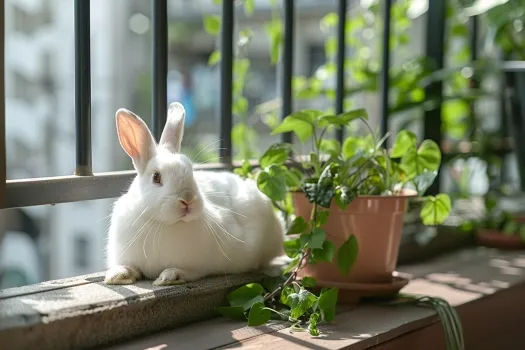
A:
x,y
157,178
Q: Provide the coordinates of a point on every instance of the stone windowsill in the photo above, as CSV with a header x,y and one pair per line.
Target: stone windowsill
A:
x,y
486,286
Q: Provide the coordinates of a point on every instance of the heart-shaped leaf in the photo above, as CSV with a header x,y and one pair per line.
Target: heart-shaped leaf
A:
x,y
308,282
259,315
424,180
326,253
327,303
317,238
298,225
246,296
405,140
435,210
347,255
292,247
300,302
277,153
272,182
426,158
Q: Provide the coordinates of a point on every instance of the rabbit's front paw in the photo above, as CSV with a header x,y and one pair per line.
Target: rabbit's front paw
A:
x,y
173,276
121,275
170,277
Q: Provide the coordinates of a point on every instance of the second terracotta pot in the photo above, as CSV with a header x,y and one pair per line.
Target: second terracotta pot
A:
x,y
376,222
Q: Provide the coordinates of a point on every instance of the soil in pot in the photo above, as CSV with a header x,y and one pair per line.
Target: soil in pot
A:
x,y
376,222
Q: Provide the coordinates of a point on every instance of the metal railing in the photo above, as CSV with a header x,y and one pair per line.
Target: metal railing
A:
x,y
85,185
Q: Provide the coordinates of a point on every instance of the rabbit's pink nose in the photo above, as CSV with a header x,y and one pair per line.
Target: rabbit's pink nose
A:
x,y
185,204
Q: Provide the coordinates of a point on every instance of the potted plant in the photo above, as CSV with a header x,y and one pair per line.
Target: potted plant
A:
x,y
346,205
500,228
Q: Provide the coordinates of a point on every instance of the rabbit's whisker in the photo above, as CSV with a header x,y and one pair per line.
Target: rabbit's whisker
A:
x,y
217,235
210,229
146,238
138,217
205,148
228,209
136,236
225,231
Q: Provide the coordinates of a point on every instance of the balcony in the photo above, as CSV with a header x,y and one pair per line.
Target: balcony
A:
x,y
472,280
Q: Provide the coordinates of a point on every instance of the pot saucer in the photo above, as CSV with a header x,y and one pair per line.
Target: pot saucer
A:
x,y
353,292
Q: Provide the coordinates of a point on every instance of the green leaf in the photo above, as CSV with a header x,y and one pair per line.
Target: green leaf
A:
x,y
312,326
249,7
424,180
232,312
347,255
292,247
330,20
246,296
435,210
215,57
325,254
272,182
285,293
259,315
274,29
300,302
327,304
293,178
351,147
406,140
240,105
298,225
308,282
303,129
322,217
322,192
343,197
353,115
317,238
330,47
212,24
292,265
426,158
277,153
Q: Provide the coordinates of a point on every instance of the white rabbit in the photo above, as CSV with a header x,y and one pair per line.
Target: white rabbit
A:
x,y
175,224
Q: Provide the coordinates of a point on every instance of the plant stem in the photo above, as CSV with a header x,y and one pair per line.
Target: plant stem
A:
x,y
290,279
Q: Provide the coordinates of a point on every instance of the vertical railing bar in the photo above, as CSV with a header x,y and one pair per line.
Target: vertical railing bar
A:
x,y
287,64
83,88
385,64
473,81
3,170
435,45
341,46
160,66
226,83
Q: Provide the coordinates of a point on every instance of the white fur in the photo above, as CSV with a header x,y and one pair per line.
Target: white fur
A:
x,y
231,226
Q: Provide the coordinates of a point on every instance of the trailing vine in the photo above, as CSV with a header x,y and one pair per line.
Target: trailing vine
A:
x,y
337,175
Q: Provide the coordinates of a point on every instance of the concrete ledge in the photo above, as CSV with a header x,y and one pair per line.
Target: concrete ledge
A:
x,y
84,312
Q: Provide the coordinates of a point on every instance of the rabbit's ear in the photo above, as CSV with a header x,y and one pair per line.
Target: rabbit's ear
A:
x,y
135,138
173,131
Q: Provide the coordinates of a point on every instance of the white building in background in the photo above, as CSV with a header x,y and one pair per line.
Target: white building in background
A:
x,y
40,119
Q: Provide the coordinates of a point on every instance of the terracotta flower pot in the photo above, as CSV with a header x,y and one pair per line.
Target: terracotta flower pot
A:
x,y
376,222
496,239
